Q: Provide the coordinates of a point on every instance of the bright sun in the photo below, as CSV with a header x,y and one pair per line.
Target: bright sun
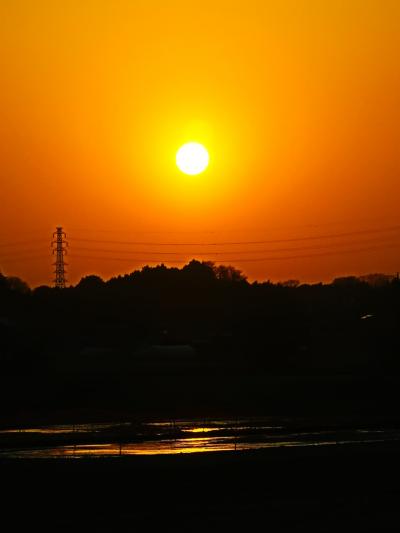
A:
x,y
192,158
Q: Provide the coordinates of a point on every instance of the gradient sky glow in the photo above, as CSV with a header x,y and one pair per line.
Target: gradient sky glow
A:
x,y
297,102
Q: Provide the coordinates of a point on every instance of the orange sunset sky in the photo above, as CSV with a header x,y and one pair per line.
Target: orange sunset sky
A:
x,y
297,102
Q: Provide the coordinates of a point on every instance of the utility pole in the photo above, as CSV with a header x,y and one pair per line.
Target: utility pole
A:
x,y
59,245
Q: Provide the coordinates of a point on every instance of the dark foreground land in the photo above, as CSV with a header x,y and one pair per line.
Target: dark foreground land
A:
x,y
334,488
202,341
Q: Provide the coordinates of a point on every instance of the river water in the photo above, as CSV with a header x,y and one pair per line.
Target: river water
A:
x,y
174,437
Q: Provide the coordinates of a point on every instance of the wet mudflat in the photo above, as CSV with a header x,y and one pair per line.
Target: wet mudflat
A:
x,y
308,487
169,437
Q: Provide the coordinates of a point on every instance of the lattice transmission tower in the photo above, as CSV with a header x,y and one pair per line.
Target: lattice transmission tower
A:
x,y
59,245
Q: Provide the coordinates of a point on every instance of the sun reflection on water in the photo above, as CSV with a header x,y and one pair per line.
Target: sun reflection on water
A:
x,y
173,437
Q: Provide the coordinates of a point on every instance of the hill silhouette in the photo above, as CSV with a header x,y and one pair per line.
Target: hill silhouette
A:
x,y
195,329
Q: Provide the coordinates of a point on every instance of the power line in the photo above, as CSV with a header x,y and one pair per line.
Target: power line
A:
x,y
17,253
285,227
213,253
222,243
22,258
180,257
21,243
270,250
245,260
234,243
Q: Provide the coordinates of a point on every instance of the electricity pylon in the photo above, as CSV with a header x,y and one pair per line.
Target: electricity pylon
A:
x,y
59,245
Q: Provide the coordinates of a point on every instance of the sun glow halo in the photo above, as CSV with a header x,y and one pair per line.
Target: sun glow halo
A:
x,y
192,158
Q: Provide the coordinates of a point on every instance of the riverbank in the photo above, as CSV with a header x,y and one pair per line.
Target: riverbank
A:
x,y
284,489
